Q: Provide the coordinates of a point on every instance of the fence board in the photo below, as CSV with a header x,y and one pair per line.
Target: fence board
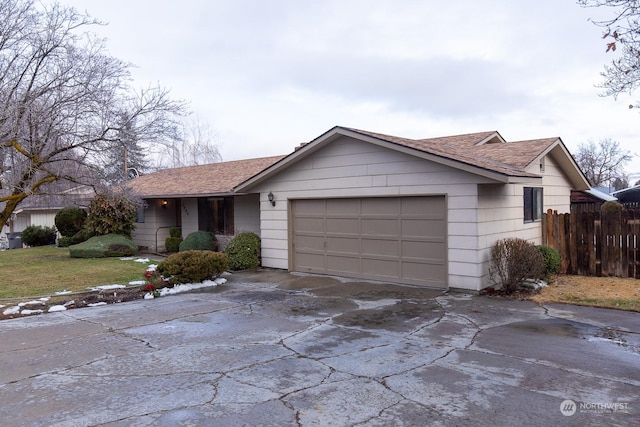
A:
x,y
595,243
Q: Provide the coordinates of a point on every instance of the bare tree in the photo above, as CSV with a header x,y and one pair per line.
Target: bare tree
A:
x,y
622,37
196,144
603,163
64,101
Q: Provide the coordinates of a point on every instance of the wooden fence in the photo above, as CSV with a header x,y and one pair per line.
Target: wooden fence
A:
x,y
595,243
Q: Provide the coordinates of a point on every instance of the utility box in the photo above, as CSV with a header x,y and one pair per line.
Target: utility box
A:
x,y
15,240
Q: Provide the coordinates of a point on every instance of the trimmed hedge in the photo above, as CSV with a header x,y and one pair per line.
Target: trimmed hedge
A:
x,y
199,241
110,245
37,235
172,244
244,251
193,266
175,232
70,221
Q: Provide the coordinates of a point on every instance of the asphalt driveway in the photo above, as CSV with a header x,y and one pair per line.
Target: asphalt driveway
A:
x,y
274,349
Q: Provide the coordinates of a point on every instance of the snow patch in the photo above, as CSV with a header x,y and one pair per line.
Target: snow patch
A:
x,y
137,282
185,287
96,304
11,310
107,287
369,305
31,312
65,292
22,304
55,308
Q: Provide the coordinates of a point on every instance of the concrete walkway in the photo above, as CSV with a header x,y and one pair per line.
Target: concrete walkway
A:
x,y
274,349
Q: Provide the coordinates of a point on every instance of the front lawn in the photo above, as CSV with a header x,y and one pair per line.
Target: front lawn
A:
x,y
44,270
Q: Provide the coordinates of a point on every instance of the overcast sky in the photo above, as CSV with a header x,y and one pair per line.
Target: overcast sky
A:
x,y
269,74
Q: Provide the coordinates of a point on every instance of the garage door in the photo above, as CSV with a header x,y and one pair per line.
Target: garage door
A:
x,y
400,239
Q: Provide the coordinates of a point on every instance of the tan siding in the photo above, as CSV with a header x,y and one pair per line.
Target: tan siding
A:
x,y
500,212
246,213
154,230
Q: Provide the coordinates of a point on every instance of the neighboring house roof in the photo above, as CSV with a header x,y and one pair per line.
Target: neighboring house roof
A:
x,y
485,153
202,180
601,195
626,190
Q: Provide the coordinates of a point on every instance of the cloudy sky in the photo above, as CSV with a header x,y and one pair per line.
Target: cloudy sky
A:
x,y
267,75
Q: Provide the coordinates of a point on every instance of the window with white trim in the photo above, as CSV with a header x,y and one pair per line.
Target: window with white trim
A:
x,y
532,204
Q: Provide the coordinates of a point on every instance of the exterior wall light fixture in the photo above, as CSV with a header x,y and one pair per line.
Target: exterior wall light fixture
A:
x,y
272,198
164,203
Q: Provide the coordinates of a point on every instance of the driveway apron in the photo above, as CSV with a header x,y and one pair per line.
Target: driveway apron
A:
x,y
269,348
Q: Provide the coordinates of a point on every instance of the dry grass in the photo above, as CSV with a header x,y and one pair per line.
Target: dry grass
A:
x,y
607,292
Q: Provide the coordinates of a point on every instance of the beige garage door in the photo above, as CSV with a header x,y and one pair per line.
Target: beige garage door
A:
x,y
400,239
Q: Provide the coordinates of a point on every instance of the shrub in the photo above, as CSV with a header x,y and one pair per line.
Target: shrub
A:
x,y
612,206
36,235
551,258
199,241
513,261
193,266
111,215
244,251
79,237
172,244
109,245
70,220
175,232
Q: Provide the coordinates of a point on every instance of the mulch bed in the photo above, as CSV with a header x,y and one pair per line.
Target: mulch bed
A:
x,y
79,300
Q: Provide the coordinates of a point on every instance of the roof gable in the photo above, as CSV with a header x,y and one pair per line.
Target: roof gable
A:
x,y
485,153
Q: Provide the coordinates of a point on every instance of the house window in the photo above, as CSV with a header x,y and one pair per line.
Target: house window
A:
x,y
542,165
215,214
532,204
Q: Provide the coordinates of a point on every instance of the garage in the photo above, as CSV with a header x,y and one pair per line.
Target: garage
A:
x,y
396,239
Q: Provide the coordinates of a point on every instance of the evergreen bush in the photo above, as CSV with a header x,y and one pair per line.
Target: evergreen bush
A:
x,y
193,266
175,232
551,258
172,244
199,241
244,251
37,235
111,215
70,220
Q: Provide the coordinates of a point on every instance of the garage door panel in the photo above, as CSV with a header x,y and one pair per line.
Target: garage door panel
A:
x,y
310,262
422,270
423,228
343,225
302,225
306,242
313,207
348,265
380,206
380,247
384,227
424,249
401,239
343,245
382,269
343,206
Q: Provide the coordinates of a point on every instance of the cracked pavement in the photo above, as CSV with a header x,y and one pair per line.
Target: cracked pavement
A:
x,y
271,348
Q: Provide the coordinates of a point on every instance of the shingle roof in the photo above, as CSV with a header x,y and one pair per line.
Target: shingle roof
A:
x,y
476,149
201,180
